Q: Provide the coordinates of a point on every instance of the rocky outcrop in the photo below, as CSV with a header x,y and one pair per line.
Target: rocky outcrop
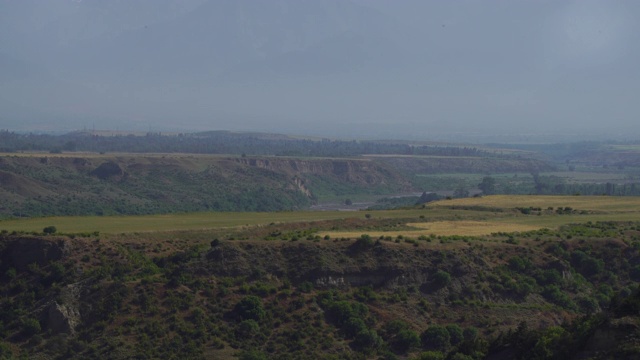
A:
x,y
301,186
31,250
108,170
62,318
360,171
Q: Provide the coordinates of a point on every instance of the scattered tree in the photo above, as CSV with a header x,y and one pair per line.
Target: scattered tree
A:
x,y
50,230
488,185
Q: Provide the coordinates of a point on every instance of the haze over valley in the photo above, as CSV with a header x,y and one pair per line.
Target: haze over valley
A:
x,y
319,179
454,71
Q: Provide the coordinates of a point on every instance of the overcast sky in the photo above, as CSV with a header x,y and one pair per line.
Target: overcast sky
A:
x,y
469,70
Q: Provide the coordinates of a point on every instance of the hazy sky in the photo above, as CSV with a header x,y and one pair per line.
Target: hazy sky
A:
x,y
474,70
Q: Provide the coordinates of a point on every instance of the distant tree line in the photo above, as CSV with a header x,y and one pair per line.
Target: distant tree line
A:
x,y
221,142
554,185
551,185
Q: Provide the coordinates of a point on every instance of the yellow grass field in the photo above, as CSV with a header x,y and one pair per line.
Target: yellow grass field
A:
x,y
487,227
607,208
462,227
592,203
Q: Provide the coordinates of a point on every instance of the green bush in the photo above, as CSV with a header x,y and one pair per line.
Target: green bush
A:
x,y
252,355
406,340
250,308
30,327
431,355
442,278
248,329
436,337
368,339
5,351
455,334
470,334
50,230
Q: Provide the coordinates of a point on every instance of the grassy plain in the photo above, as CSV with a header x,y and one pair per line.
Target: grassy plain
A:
x,y
188,221
467,221
589,203
470,216
446,228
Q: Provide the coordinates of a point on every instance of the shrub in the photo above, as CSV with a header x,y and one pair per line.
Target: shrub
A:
x,y
305,286
30,327
248,329
5,351
353,326
252,355
431,355
405,340
363,243
250,308
554,294
368,339
442,278
470,334
50,230
436,337
455,334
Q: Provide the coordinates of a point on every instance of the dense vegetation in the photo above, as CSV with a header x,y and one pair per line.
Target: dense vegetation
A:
x,y
537,295
221,142
545,185
87,174
38,186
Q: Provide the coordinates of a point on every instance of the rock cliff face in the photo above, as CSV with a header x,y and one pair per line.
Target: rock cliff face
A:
x,y
22,252
365,172
103,185
59,315
62,318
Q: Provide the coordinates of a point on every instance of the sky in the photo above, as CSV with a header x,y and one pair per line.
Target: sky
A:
x,y
464,70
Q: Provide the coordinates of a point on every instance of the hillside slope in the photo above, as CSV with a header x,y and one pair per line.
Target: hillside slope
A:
x,y
78,183
46,184
139,296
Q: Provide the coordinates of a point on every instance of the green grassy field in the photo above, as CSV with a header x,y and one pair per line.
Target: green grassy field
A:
x,y
190,221
445,217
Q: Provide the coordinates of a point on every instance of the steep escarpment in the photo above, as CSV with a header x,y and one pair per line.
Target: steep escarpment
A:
x,y
365,172
103,184
142,184
337,176
23,251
